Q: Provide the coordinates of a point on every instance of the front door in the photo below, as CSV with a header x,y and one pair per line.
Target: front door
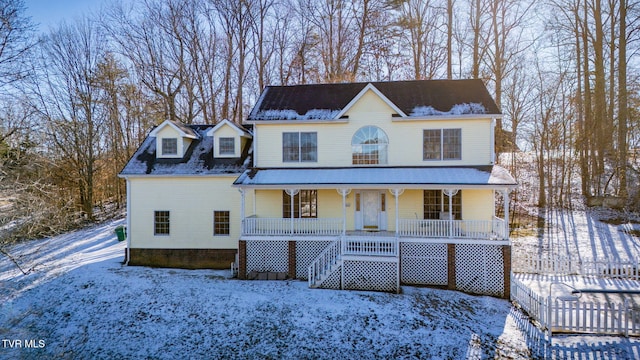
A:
x,y
370,210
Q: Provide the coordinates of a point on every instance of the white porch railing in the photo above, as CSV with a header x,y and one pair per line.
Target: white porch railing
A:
x,y
463,229
287,226
324,264
369,246
466,229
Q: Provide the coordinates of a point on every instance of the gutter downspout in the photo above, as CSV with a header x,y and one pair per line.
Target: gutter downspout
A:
x,y
493,141
128,229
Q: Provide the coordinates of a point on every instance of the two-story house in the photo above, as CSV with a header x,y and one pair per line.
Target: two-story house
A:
x,y
353,186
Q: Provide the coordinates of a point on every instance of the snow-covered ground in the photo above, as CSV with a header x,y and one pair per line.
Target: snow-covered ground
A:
x,y
581,235
78,301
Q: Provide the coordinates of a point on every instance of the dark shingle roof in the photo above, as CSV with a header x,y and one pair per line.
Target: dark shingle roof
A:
x,y
198,159
323,101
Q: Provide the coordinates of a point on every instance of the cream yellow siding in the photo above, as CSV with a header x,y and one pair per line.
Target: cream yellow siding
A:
x,y
478,204
405,137
268,203
411,204
191,202
227,131
168,132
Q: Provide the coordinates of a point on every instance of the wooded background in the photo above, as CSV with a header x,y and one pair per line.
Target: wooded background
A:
x,y
79,98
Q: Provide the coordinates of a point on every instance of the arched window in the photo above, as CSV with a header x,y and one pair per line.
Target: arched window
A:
x,y
369,146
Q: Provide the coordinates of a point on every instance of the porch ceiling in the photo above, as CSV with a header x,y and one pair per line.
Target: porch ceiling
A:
x,y
494,177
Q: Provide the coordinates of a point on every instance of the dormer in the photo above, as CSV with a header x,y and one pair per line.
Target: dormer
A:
x,y
229,139
172,139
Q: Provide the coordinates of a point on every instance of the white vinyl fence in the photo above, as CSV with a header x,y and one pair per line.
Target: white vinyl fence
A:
x,y
608,268
558,315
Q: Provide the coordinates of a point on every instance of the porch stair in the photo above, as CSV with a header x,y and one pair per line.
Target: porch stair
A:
x,y
329,261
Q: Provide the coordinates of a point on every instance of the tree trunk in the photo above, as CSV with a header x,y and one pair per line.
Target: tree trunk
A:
x,y
623,111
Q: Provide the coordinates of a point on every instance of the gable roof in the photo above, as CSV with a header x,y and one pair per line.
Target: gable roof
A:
x,y
198,159
241,131
412,98
183,129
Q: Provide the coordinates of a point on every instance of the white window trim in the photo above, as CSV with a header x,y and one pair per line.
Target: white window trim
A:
x,y
442,145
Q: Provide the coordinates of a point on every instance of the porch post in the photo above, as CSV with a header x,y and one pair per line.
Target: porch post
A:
x,y
292,193
450,193
344,193
505,196
396,194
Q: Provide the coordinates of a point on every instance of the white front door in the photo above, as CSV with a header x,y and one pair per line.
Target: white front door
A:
x,y
370,209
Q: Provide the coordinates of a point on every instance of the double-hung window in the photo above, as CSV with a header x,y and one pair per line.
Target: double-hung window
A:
x,y
227,146
299,147
436,205
169,146
305,204
442,144
161,222
221,223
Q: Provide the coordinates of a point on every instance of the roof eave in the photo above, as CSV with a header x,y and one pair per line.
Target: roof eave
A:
x,y
380,185
449,117
296,121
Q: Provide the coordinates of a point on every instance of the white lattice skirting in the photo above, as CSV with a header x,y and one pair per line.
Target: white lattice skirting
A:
x,y
267,256
480,269
423,264
306,252
334,281
370,275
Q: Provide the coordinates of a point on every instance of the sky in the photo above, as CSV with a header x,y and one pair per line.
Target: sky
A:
x,y
48,13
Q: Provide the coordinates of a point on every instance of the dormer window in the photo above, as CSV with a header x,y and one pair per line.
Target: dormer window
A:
x,y
173,139
229,139
227,146
170,146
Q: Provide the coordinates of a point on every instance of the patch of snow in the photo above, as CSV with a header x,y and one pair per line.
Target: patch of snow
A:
x,y
459,109
313,114
79,299
425,111
578,234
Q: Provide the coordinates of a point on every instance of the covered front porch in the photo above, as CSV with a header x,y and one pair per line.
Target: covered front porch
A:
x,y
422,203
377,228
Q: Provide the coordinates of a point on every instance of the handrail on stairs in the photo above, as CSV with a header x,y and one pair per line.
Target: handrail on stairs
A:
x,y
320,268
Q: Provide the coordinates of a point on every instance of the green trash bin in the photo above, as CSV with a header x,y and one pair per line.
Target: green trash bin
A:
x,y
121,231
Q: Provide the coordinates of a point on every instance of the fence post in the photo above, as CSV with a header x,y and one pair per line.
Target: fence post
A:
x,y
549,332
626,318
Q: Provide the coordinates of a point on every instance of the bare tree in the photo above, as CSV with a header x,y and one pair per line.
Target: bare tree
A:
x,y
623,109
422,22
69,103
16,38
146,37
